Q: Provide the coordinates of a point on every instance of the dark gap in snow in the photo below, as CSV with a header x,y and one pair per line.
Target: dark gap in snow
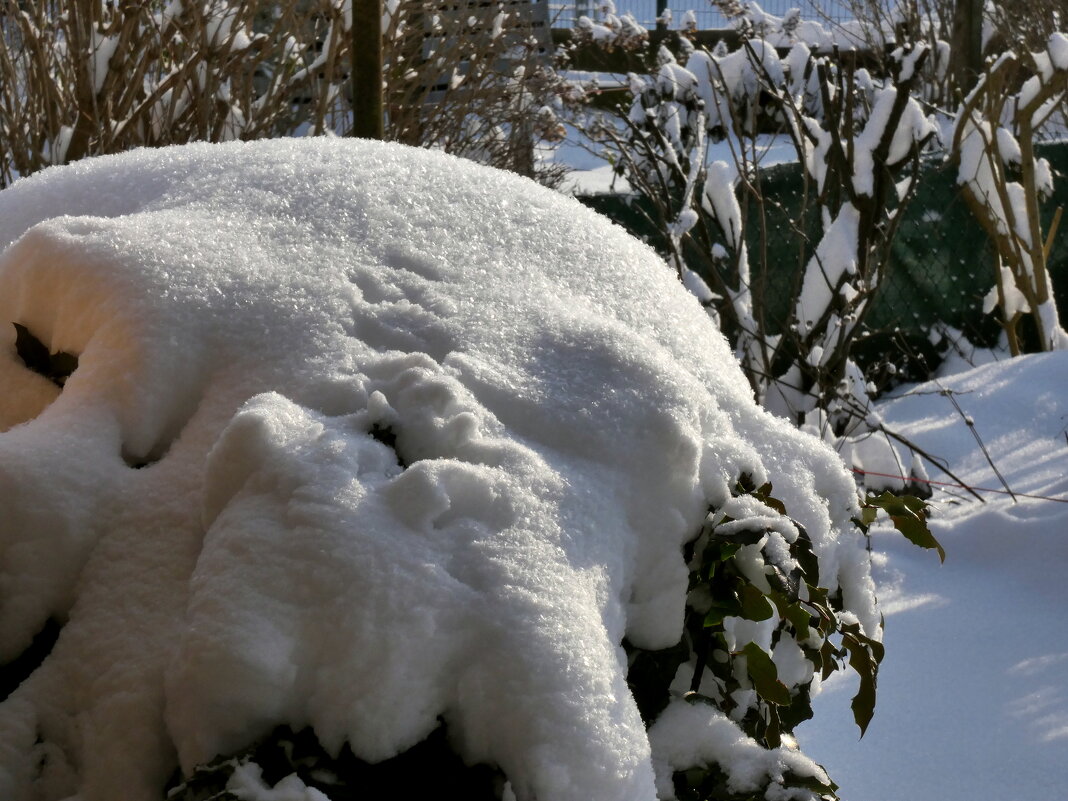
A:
x,y
56,367
649,675
430,769
388,437
19,669
136,463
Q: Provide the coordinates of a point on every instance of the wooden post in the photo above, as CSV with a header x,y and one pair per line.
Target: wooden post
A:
x,y
967,47
367,69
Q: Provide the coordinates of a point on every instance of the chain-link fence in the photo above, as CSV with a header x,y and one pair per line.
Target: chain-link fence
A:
x,y
940,270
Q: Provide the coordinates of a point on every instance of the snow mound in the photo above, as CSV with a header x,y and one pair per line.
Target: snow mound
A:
x,y
361,437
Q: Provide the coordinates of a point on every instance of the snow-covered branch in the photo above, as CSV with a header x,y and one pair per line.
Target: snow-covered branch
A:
x,y
1003,181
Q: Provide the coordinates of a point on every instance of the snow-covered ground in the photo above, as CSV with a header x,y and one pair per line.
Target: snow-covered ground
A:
x,y
973,694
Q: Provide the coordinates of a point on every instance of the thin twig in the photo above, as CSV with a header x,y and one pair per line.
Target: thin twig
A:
x,y
975,433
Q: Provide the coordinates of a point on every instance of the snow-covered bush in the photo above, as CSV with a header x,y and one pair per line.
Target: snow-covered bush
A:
x,y
612,32
859,135
90,78
865,30
99,78
859,140
1003,181
370,439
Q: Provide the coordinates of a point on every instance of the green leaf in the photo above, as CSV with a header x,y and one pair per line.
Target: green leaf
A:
x,y
805,556
718,611
788,585
765,677
829,661
917,532
746,536
755,605
763,494
863,705
864,657
909,516
800,619
791,779
717,553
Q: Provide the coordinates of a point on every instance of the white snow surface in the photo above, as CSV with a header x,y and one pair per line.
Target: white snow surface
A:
x,y
835,256
245,316
973,693
749,764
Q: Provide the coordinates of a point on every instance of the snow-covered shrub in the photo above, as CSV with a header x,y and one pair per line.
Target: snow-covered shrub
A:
x,y
90,78
612,32
952,28
859,140
1003,181
475,80
368,439
101,78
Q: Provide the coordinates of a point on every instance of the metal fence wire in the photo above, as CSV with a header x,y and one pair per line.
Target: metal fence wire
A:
x,y
941,265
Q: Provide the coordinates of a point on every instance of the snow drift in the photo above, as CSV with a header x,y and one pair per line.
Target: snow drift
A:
x,y
360,437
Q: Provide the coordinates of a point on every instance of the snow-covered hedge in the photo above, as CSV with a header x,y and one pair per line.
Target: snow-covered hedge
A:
x,y
364,438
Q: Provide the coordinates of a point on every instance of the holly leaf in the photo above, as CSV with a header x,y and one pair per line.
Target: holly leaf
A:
x,y
909,516
755,605
865,655
719,610
765,676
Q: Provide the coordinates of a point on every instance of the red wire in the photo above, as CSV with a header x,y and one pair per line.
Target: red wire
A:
x,y
962,486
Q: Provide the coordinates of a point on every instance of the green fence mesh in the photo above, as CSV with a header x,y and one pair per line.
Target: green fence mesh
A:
x,y
941,265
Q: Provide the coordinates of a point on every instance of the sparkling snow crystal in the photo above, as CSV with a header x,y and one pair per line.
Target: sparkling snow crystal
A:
x,y
360,437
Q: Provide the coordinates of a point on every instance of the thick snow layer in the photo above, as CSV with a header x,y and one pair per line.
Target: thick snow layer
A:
x,y
422,439
723,742
835,257
973,694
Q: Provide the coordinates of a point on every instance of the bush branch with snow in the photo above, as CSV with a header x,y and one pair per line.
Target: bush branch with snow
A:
x,y
1003,181
859,139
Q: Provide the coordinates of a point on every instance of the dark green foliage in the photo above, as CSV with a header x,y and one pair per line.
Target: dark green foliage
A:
x,y
430,769
909,516
720,588
649,673
699,784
